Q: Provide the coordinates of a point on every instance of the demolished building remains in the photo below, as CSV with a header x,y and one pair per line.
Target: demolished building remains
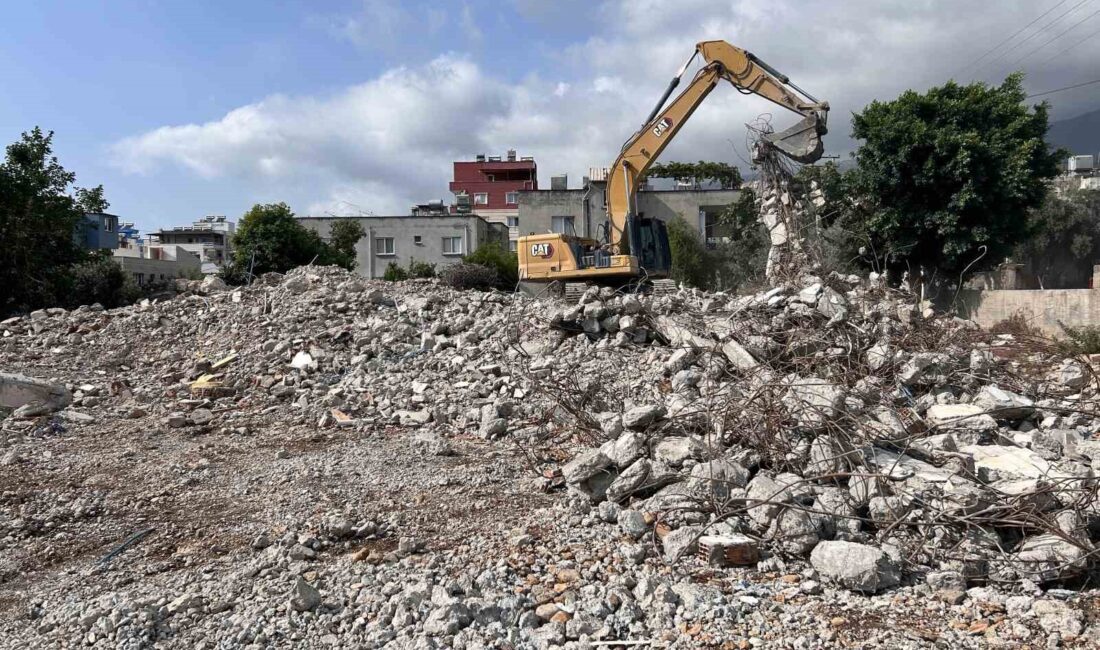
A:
x,y
416,466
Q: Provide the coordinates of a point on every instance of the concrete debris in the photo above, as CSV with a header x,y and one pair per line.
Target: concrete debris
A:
x,y
482,470
29,397
855,566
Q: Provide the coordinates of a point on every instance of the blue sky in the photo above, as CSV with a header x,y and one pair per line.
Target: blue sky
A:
x,y
188,108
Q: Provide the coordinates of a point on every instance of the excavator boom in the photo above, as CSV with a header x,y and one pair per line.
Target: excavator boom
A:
x,y
801,142
634,246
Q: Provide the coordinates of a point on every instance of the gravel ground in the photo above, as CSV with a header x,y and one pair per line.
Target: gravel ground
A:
x,y
262,526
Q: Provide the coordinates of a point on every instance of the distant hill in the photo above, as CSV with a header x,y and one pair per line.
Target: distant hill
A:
x,y
1079,135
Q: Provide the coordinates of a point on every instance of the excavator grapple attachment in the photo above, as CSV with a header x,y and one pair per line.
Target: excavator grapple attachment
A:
x,y
801,142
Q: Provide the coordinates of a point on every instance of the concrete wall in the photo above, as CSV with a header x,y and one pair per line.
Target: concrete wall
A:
x,y
1042,308
98,231
404,230
537,209
145,270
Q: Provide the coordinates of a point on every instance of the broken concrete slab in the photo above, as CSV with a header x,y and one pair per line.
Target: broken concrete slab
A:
x,y
31,397
1003,404
960,416
996,462
855,566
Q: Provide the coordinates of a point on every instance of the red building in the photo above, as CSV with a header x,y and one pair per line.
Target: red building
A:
x,y
489,186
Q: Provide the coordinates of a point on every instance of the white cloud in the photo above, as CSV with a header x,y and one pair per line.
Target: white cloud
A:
x,y
389,142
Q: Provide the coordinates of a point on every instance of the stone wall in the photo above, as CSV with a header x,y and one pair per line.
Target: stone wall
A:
x,y
1044,309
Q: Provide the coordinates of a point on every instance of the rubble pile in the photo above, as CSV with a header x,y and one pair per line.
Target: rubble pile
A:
x,y
318,459
841,421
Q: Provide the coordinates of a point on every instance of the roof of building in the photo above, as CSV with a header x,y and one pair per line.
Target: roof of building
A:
x,y
391,216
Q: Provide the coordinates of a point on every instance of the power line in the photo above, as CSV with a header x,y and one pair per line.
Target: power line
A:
x,y
1058,90
1014,35
1059,35
1042,29
1060,53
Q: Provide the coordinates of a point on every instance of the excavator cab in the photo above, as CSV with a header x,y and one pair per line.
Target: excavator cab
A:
x,y
654,254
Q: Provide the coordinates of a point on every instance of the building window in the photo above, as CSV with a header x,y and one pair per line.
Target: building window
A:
x,y
512,245
452,245
513,222
383,246
418,240
511,198
109,224
562,225
481,198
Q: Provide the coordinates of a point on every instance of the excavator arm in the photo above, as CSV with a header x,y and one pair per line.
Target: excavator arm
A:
x,y
748,74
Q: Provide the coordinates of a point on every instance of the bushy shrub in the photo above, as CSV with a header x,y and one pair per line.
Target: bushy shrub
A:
x,y
231,273
102,280
1080,340
395,273
503,262
421,269
470,276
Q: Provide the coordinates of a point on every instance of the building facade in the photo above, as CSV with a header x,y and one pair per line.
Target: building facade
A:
x,y
211,238
583,211
153,263
99,231
489,186
436,239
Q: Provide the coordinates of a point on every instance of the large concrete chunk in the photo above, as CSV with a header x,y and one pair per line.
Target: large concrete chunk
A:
x,y
624,450
717,477
1004,405
586,465
855,566
960,416
641,417
996,462
1044,558
813,401
674,450
30,397
738,356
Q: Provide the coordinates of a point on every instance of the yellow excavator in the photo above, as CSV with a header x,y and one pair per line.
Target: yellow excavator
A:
x,y
630,247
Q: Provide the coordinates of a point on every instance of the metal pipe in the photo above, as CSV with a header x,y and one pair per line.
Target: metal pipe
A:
x,y
671,86
779,75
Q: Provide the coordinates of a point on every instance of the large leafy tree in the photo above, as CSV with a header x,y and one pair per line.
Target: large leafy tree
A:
x,y
39,218
1064,241
343,237
269,238
943,173
726,175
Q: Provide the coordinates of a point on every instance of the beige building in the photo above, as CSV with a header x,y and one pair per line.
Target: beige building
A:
x,y
582,211
211,238
157,262
439,239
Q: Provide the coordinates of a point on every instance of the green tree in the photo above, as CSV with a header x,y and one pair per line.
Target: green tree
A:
x,y
726,175
689,256
39,222
269,238
492,255
945,172
92,199
100,279
1064,241
343,237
